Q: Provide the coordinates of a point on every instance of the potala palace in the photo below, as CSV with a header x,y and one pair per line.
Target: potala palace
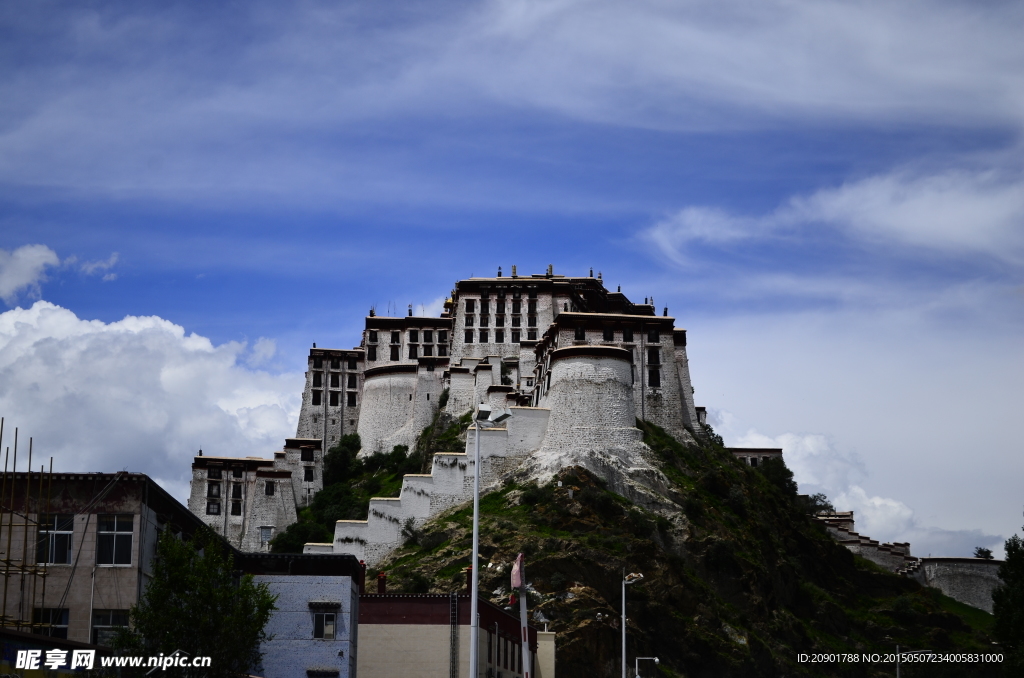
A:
x,y
575,363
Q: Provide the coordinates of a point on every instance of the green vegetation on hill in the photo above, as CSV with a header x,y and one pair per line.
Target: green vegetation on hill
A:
x,y
350,482
738,580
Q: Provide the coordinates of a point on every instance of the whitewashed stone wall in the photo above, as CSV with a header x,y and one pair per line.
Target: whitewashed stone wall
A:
x,y
967,580
387,407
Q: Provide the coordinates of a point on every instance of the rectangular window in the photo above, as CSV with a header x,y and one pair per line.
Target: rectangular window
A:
x,y
627,334
532,294
105,624
609,334
515,337
428,336
531,307
428,350
316,397
213,508
307,474
236,508
469,321
499,321
414,336
352,381
373,336
653,337
470,306
351,399
531,335
653,356
268,488
485,320
517,293
352,363
323,625
266,534
500,307
483,336
414,352
55,537
581,334
517,307
371,353
318,363
499,336
442,350
469,336
114,538
214,473
306,454
394,352
335,363
318,379
442,336
213,489
57,621
532,321
335,380
654,378
236,490
396,337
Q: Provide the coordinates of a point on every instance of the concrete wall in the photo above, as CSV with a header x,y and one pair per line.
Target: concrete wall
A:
x,y
292,650
967,580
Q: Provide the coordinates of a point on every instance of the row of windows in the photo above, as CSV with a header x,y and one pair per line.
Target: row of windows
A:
x,y
335,379
217,473
414,336
55,540
499,336
334,397
500,306
318,363
504,653
104,623
499,321
653,336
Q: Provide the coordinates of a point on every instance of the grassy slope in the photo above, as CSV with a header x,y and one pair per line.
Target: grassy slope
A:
x,y
737,581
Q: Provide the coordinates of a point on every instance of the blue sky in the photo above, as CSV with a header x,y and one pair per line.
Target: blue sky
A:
x,y
828,195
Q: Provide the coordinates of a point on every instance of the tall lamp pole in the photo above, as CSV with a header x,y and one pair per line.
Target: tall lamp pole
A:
x,y
636,667
484,413
627,580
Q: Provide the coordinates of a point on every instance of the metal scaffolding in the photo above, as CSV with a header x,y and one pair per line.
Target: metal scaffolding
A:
x,y
24,578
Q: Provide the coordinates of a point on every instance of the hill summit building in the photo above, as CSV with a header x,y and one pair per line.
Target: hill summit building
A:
x,y
575,364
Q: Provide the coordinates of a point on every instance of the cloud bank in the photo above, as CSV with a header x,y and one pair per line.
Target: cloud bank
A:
x,y
23,269
139,394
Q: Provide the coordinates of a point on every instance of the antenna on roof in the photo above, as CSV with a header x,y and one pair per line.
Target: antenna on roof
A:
x,y
314,344
666,311
620,288
410,309
499,271
514,275
591,271
200,451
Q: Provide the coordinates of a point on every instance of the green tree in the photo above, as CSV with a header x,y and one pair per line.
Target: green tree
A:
x,y
197,604
983,553
1008,607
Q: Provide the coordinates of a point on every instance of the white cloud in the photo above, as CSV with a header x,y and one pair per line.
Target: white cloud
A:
x,y
23,269
954,212
139,393
123,103
91,267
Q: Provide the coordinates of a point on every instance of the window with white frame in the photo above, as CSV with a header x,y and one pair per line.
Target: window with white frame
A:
x,y
114,539
323,625
55,539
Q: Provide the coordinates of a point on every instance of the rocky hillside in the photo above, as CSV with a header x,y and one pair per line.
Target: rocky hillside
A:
x,y
738,579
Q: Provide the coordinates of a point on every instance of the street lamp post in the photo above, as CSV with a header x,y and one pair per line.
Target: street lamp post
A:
x,y
637,665
484,413
627,580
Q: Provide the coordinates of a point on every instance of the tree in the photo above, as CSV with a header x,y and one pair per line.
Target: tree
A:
x,y
1008,607
983,553
196,603
779,475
